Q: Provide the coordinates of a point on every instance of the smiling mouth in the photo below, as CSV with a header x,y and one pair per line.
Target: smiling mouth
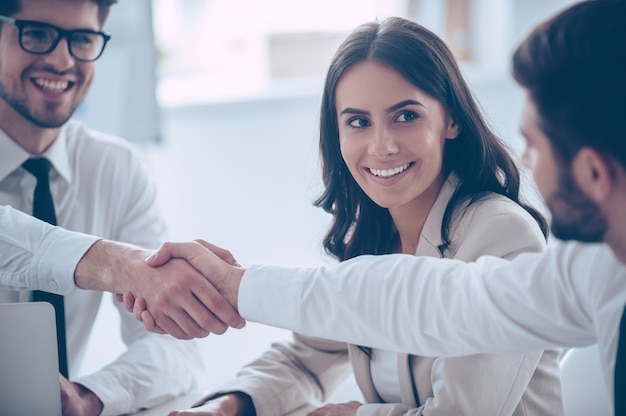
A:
x,y
52,86
387,173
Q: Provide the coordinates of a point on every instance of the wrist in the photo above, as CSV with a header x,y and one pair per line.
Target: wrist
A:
x,y
92,403
103,265
233,282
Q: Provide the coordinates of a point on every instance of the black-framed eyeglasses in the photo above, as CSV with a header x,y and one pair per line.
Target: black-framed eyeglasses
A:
x,y
40,38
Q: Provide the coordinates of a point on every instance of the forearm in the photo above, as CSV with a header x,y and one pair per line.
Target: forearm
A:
x,y
109,266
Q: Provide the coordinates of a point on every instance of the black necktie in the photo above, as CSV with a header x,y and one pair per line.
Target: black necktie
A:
x,y
619,389
43,208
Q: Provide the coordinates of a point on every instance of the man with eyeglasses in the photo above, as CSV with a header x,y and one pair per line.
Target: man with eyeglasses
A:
x,y
60,171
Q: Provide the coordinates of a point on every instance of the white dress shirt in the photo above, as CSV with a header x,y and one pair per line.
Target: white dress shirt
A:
x,y
572,295
100,187
31,249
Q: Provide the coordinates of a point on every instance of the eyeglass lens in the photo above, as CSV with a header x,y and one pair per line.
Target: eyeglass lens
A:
x,y
83,45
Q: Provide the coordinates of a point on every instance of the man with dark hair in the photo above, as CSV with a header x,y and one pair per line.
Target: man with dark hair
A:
x,y
573,68
10,7
67,174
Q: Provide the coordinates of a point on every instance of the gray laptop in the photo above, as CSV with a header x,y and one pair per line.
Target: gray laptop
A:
x,y
29,368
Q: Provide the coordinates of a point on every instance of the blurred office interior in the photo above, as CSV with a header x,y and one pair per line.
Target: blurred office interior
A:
x,y
221,97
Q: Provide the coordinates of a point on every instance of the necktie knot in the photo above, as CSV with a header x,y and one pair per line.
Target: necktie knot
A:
x,y
39,168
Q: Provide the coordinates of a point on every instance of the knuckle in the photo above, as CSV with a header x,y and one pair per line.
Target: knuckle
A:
x,y
217,302
163,300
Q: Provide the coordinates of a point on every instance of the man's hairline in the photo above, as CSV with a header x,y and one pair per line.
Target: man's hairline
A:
x,y
100,23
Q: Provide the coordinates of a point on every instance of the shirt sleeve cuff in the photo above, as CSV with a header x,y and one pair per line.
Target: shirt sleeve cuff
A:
x,y
56,259
268,306
115,398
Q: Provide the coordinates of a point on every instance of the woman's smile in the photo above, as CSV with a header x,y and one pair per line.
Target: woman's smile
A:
x,y
387,173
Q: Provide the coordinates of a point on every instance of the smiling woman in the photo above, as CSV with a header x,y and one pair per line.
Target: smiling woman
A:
x,y
409,166
436,109
392,139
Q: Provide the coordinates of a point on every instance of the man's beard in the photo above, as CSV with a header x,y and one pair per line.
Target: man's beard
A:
x,y
574,215
49,118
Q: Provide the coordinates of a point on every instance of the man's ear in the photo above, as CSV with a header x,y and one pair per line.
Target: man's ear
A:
x,y
593,174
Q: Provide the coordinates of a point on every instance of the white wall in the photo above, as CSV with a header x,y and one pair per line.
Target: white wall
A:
x,y
122,99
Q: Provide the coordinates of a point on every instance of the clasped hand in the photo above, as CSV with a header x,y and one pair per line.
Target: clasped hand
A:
x,y
216,302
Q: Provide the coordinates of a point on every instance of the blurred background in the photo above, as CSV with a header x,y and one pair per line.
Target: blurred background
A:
x,y
221,97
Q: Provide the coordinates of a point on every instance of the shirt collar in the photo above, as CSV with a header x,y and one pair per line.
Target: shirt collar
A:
x,y
58,155
13,155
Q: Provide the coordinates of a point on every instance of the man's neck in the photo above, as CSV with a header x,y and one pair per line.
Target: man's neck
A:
x,y
34,139
617,242
31,137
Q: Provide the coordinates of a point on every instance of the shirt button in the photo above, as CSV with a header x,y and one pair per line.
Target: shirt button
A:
x,y
53,285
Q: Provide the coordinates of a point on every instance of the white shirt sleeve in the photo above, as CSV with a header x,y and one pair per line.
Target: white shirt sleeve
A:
x,y
153,368
570,296
537,301
31,250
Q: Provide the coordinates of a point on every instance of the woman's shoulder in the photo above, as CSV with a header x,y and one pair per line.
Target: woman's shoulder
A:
x,y
491,204
497,224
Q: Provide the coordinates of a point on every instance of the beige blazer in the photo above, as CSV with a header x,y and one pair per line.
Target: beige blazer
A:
x,y
308,369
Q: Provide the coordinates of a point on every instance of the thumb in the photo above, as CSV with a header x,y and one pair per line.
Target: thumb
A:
x,y
220,252
159,258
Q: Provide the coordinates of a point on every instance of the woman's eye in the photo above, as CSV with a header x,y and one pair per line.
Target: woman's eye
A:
x,y
407,116
358,122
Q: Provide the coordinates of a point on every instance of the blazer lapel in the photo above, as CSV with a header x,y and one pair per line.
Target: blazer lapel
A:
x,y
362,374
430,238
408,390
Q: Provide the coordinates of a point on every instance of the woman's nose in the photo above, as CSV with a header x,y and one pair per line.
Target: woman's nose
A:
x,y
383,143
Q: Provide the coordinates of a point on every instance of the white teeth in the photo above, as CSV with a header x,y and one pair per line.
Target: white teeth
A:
x,y
54,86
385,173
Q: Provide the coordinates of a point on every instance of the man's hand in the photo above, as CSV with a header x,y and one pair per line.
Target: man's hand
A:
x,y
181,300
138,306
78,400
215,263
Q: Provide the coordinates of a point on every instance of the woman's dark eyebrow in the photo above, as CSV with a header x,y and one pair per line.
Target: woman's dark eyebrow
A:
x,y
403,104
350,110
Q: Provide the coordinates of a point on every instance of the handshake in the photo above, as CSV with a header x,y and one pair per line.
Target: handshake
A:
x,y
187,290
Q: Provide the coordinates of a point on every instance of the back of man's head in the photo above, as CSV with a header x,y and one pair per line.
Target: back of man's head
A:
x,y
574,69
10,7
